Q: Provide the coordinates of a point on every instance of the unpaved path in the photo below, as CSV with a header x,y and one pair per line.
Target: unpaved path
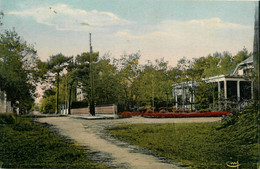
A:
x,y
91,133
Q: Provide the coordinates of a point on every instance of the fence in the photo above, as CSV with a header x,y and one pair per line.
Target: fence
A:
x,y
102,109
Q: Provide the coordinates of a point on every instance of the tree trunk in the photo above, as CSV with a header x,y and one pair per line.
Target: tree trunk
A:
x,y
69,108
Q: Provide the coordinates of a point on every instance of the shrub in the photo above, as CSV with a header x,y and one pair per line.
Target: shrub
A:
x,y
163,111
168,109
204,95
125,114
204,110
148,109
7,119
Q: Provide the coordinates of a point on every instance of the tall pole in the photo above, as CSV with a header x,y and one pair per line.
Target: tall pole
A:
x,y
90,46
92,102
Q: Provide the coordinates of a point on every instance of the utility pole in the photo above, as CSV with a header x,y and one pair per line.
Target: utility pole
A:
x,y
91,75
90,46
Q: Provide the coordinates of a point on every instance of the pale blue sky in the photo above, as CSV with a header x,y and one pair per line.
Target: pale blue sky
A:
x,y
158,28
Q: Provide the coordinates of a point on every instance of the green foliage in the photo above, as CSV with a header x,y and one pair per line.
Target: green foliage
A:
x,y
52,70
204,95
152,85
7,118
48,101
127,74
107,84
48,104
129,84
58,62
244,124
25,144
17,67
197,145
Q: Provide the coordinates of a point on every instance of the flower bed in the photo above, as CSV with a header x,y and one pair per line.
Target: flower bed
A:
x,y
204,114
174,115
129,114
125,114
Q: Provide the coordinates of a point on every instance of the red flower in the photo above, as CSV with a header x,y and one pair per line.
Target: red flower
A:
x,y
204,114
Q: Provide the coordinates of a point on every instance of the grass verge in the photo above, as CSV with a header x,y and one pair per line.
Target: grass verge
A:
x,y
198,145
25,144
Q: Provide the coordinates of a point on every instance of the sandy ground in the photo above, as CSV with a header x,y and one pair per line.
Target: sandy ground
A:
x,y
107,149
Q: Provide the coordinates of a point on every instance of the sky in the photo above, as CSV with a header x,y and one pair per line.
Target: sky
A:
x,y
156,28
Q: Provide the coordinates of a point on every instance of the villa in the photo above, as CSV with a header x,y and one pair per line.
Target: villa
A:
x,y
235,88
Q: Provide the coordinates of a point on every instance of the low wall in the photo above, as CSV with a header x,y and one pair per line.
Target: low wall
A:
x,y
110,109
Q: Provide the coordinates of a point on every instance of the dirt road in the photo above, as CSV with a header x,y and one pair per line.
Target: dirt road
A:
x,y
107,149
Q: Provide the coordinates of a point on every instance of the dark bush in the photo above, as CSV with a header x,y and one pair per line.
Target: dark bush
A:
x,y
7,118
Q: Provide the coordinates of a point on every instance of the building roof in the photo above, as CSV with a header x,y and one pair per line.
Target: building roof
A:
x,y
222,77
247,61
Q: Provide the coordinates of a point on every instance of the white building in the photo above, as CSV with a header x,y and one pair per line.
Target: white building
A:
x,y
236,87
80,93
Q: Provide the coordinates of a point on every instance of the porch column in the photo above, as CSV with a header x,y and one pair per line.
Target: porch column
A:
x,y
219,90
183,97
176,97
225,89
252,90
238,90
219,95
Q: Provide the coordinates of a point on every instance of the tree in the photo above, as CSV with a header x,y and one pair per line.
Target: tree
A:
x,y
71,80
52,69
204,95
241,56
17,67
86,75
128,72
107,84
48,101
153,85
